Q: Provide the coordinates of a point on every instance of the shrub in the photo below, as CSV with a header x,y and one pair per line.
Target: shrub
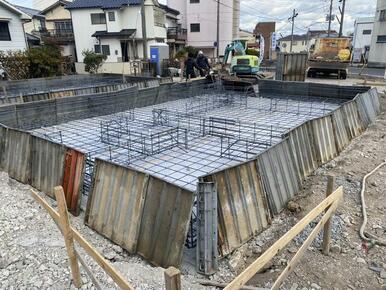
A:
x,y
44,61
16,64
93,61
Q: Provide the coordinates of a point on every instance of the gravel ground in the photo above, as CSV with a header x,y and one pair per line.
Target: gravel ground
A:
x,y
33,254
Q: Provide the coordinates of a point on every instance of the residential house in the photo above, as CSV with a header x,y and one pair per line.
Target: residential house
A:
x,y
59,28
12,19
377,56
176,35
362,38
267,30
199,17
114,28
300,43
35,27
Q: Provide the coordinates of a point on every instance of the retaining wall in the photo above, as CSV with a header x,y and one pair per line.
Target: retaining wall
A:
x,y
281,169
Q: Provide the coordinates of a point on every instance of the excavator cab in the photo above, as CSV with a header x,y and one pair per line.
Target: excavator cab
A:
x,y
245,65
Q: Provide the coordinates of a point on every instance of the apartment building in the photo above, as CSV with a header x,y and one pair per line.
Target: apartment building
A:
x,y
199,17
377,56
362,38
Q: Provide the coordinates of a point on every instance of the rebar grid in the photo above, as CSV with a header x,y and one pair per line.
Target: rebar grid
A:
x,y
221,130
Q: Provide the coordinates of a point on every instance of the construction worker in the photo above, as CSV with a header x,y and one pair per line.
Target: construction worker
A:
x,y
203,64
190,65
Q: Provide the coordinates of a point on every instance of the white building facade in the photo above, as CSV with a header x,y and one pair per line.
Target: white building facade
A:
x,y
377,56
199,17
362,38
114,28
12,36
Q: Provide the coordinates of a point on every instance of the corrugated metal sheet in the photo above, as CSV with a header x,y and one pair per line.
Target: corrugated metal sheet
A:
x,y
366,109
324,139
3,131
74,165
291,66
375,98
242,207
115,204
279,175
165,223
341,133
8,115
16,159
47,165
302,146
353,122
143,214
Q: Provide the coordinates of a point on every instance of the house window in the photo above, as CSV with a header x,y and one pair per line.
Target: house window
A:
x,y
112,16
295,43
4,32
98,18
367,31
105,49
194,1
63,26
382,15
194,27
381,39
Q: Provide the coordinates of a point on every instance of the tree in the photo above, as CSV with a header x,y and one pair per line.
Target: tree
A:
x,y
44,61
182,53
93,61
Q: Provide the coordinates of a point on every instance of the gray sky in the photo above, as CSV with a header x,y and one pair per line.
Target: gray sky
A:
x,y
312,13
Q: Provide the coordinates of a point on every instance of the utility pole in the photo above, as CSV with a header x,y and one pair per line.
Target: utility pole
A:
x,y
341,16
329,19
292,18
218,29
144,34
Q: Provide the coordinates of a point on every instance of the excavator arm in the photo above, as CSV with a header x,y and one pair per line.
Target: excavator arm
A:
x,y
236,46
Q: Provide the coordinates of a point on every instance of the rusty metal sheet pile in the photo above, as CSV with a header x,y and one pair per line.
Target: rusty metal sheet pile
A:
x,y
279,175
242,206
324,139
47,168
141,213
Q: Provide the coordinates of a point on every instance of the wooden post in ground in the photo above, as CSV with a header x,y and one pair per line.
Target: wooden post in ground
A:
x,y
172,279
327,226
64,224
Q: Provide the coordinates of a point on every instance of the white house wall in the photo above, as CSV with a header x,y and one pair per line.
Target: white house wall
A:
x,y
128,18
15,25
205,13
377,57
361,40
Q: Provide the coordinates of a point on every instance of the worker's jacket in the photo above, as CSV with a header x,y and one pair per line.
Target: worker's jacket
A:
x,y
202,62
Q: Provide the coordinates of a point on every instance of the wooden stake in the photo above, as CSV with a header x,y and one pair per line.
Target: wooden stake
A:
x,y
277,247
64,224
172,279
327,226
105,265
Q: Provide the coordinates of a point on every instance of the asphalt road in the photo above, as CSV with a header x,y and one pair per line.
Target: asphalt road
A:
x,y
377,72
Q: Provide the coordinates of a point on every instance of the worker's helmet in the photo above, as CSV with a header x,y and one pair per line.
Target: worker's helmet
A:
x,y
200,52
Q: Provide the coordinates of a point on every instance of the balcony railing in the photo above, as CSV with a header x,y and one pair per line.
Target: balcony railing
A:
x,y
58,34
177,33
